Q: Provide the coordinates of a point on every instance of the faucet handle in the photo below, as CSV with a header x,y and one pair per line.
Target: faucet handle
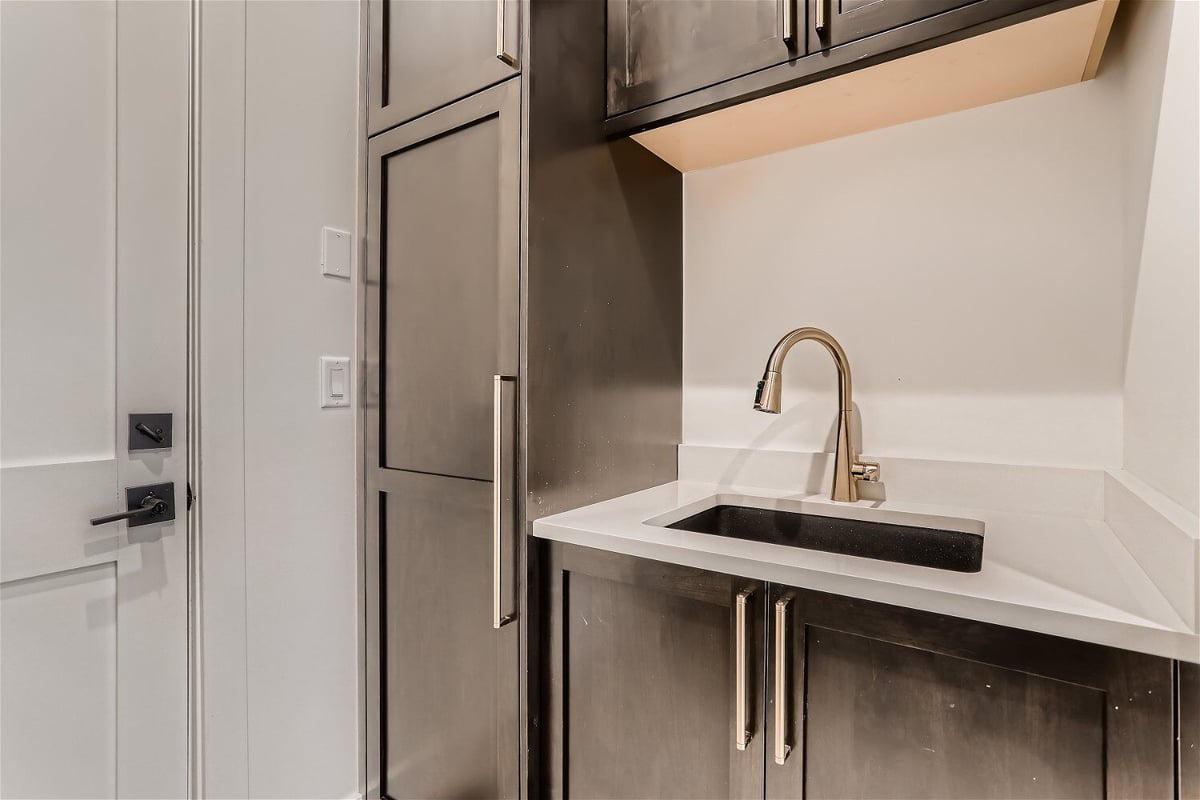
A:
x,y
865,471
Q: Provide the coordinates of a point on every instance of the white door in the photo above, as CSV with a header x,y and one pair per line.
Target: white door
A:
x,y
93,298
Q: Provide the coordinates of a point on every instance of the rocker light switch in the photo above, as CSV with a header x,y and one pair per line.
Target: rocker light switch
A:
x,y
335,382
335,253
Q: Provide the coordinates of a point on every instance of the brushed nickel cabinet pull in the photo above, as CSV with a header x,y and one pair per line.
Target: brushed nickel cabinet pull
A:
x,y
501,48
789,20
782,748
741,726
499,619
819,16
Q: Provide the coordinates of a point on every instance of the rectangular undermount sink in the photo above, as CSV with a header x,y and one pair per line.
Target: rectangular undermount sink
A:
x,y
955,550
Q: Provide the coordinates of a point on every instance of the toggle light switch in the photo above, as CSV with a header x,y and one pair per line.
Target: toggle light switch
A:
x,y
335,382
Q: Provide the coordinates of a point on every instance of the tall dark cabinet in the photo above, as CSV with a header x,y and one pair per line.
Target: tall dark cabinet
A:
x,y
523,354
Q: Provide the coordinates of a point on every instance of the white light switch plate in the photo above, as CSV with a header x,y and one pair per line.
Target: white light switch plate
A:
x,y
335,382
335,253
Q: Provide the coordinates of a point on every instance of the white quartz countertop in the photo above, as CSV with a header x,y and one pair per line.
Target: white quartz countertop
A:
x,y
1065,575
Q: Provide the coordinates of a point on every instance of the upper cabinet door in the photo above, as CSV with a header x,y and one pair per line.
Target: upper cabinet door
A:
x,y
662,48
425,54
835,22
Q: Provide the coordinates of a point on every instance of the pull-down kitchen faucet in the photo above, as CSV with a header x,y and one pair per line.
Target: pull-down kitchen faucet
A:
x,y
847,469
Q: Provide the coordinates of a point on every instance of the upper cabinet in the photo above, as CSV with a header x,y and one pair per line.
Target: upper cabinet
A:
x,y
657,49
838,22
707,82
424,55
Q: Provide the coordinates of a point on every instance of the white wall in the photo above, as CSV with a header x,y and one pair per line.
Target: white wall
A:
x,y
280,116
1162,373
973,266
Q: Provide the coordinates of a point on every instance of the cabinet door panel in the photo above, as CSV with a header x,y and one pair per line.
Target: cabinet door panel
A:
x,y
889,702
449,680
447,249
425,54
848,20
659,49
645,676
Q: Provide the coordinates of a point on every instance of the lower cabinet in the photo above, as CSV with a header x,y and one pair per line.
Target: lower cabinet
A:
x,y
644,680
836,697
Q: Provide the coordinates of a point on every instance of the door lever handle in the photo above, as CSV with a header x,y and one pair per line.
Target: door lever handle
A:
x,y
151,506
146,505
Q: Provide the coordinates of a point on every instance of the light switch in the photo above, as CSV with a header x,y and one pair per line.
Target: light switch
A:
x,y
335,252
335,382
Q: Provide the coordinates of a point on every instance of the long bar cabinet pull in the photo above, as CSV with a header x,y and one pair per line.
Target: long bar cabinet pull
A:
x,y
741,732
782,748
789,20
819,16
499,618
501,46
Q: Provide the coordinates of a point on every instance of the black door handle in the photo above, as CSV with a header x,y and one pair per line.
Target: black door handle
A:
x,y
146,430
146,504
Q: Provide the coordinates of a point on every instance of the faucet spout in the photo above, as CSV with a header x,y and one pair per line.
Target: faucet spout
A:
x,y
847,469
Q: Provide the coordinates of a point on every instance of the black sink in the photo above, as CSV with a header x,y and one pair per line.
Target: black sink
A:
x,y
904,544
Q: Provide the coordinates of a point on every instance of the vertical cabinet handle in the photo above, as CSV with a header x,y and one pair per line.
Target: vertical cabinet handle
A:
x,y
789,20
501,36
819,11
499,618
741,726
782,748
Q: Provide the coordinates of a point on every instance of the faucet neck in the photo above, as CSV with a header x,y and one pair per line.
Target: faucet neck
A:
x,y
775,361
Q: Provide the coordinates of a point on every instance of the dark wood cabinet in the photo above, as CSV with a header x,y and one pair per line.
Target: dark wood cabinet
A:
x,y
425,54
670,62
442,320
444,211
849,698
449,680
657,49
647,683
506,238
837,22
882,701
1188,714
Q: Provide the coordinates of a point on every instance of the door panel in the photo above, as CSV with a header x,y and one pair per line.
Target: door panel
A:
x,y
658,50
885,701
644,665
447,671
66,627
93,320
441,258
448,250
849,20
428,53
910,734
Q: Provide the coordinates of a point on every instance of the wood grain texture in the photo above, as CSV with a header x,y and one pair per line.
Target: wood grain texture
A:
x,y
426,54
431,649
444,671
885,720
658,50
989,707
641,674
1188,754
603,282
602,313
1055,49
